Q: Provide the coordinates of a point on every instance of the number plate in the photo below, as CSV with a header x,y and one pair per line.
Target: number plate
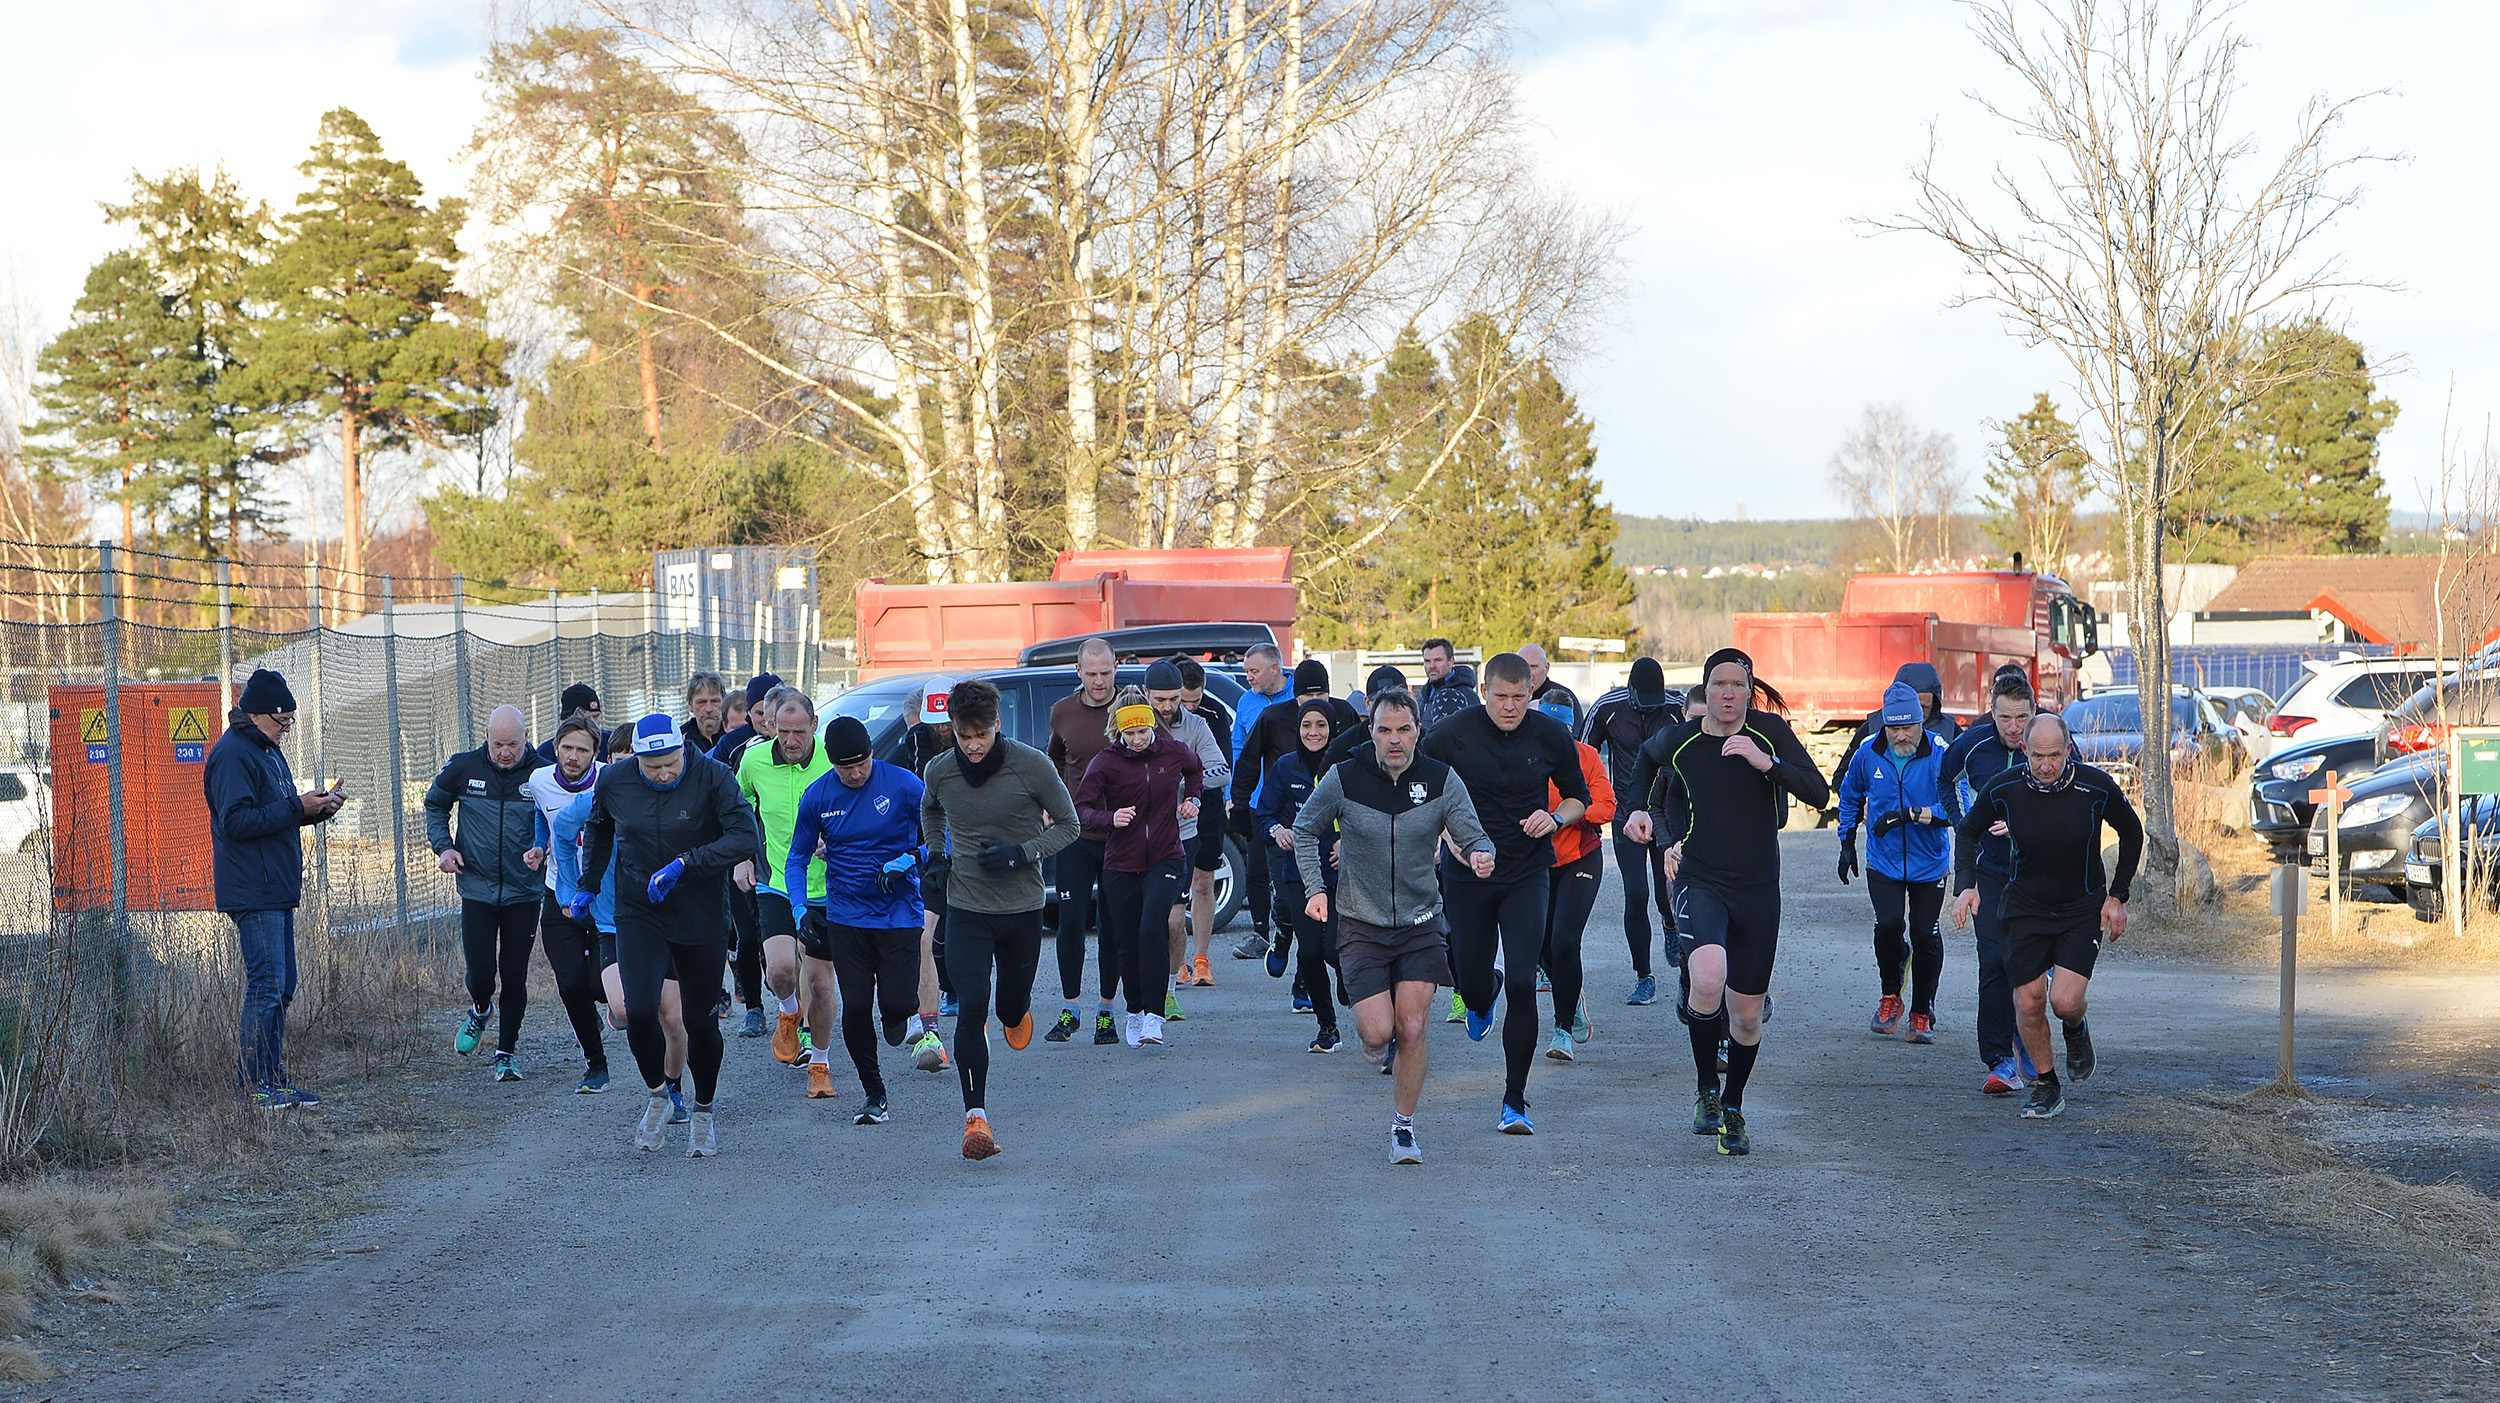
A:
x,y
2317,844
2418,873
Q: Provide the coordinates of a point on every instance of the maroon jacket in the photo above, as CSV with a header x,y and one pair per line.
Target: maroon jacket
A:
x,y
1156,782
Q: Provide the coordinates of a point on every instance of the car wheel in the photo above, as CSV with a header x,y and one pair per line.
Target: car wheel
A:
x,y
1230,890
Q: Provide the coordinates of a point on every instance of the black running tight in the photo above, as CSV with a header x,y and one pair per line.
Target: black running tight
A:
x,y
1571,895
879,973
573,954
645,959
1136,914
495,943
975,942
1080,872
1918,942
1508,916
1316,963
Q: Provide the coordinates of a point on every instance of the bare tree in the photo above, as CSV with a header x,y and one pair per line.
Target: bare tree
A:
x,y
2148,242
1903,482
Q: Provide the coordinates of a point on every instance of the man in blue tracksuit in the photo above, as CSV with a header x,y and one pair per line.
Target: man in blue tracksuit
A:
x,y
1263,669
1971,764
1890,782
864,818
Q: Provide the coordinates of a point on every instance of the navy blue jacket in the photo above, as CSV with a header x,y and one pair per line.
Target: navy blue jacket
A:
x,y
253,812
1970,765
1288,788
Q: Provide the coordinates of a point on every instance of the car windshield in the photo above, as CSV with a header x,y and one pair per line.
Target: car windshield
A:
x,y
885,708
2116,713
2471,701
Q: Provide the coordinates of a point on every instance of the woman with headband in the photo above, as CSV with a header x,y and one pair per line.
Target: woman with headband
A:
x,y
1140,790
1714,803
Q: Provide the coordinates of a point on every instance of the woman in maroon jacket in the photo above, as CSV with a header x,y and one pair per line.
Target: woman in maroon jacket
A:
x,y
1139,790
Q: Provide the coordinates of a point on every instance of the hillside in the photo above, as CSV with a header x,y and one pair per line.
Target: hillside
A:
x,y
1668,542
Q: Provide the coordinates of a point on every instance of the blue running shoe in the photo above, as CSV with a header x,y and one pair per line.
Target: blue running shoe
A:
x,y
1275,963
2004,1078
1479,1023
298,1095
594,1081
676,1105
1644,991
1302,1004
1515,1122
949,1005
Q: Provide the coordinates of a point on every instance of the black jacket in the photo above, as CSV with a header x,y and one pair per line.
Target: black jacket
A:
x,y
1272,737
1619,727
1724,812
1448,697
702,820
498,823
1506,773
253,815
2056,839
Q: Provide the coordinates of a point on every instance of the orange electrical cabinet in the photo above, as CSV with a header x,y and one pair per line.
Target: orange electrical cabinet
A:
x,y
166,730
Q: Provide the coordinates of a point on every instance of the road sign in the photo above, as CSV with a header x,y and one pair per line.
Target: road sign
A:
x,y
92,733
188,726
2332,795
1570,644
2478,759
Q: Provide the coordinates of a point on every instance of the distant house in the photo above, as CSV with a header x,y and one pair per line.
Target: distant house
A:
x,y
2387,599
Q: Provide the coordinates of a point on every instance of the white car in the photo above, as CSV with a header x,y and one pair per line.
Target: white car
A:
x,y
25,808
2350,696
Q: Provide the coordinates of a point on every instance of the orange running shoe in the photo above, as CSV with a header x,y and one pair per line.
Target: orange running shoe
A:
x,y
1922,1029
819,1081
1021,1034
1205,978
1887,1020
977,1141
786,1039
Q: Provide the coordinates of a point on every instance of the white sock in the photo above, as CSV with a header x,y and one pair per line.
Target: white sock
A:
x,y
790,1004
816,1058
976,1113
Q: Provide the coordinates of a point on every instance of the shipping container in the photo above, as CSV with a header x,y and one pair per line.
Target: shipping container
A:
x,y
904,628
166,730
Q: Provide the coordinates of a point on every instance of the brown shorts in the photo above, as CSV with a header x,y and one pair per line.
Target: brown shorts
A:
x,y
1376,959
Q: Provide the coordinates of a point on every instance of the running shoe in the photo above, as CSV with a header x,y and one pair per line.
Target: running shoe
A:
x,y
1133,1033
786,1038
1389,1057
1922,1029
807,1043
1732,1137
1106,1031
2047,1099
506,1069
701,1143
1064,1029
1402,1146
676,1104
1644,991
1252,946
949,1005
298,1096
472,1029
819,1081
1514,1121
1581,1028
271,1098
928,1053
1478,1024
1706,1112
1458,1009
2079,1051
1150,1030
872,1112
1204,977
1326,1041
1020,1036
1275,962
754,1025
2003,1079
1560,1051
658,1114
1544,981
978,1142
1302,1004
1887,1019
1172,1006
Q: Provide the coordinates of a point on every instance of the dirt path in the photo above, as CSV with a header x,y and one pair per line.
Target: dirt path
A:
x,y
1221,1216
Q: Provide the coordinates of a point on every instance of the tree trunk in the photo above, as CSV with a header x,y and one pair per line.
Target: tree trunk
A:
x,y
650,370
2149,632
989,473
1236,350
352,499
1279,279
1080,120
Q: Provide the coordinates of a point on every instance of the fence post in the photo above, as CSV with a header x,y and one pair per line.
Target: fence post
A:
x,y
399,784
119,947
756,622
651,644
460,658
321,831
555,643
598,645
811,642
225,637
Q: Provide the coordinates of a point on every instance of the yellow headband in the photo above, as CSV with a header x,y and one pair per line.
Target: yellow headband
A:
x,y
1134,717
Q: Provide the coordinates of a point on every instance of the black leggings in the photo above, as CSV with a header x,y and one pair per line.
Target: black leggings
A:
x,y
1136,923
1924,947
573,954
1261,894
1571,895
879,973
975,940
1510,915
746,924
495,943
1080,871
1316,966
1644,870
933,892
646,959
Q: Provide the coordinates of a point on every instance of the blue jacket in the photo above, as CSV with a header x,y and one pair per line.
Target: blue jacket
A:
x,y
563,838
1971,764
253,813
1879,782
1288,788
1254,701
862,829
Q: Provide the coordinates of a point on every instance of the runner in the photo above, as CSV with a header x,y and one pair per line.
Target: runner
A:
x,y
773,776
1142,790
1891,784
1079,726
931,738
1385,815
1717,799
999,801
749,718
1971,764
500,889
564,833
855,851
1207,850
1574,880
707,698
1290,783
681,838
579,698
1272,737
1167,691
572,946
1619,724
1548,695
1449,685
1263,681
2058,901
1507,752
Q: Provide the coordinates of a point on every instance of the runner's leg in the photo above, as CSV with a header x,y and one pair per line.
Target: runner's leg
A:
x,y
1891,898
516,929
1519,911
641,967
745,929
1475,933
699,966
855,968
478,927
971,947
1123,897
1995,1017
1317,951
1159,898
1632,861
1080,872
1926,946
573,957
1414,1008
1571,895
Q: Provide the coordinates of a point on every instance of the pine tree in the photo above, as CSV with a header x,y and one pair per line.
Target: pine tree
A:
x,y
118,383
2034,485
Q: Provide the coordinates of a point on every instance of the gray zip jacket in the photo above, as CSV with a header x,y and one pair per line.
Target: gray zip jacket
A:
x,y
1392,830
1215,768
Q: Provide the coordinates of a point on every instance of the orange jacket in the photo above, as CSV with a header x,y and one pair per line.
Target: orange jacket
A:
x,y
1580,839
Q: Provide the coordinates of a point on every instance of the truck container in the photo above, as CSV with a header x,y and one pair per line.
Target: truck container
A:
x,y
1250,565
909,628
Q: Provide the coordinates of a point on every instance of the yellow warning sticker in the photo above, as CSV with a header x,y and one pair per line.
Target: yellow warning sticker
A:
x,y
187,723
91,726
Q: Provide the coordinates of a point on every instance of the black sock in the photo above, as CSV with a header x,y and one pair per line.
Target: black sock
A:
x,y
1705,1033
2073,1025
2047,1079
1740,1058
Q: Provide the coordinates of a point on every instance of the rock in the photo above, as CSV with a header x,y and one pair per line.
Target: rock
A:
x,y
2195,886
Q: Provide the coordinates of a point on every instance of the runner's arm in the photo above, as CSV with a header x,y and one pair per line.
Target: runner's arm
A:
x,y
600,828
1062,828
1566,777
439,799
805,834
1949,771
1852,798
739,841
1967,836
1795,771
1459,821
2121,815
1311,829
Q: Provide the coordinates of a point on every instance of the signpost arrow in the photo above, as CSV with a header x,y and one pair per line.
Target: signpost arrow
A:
x,y
2333,794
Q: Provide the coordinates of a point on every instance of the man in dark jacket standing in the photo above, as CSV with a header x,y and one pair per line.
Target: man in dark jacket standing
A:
x,y
1449,685
1620,724
254,811
499,891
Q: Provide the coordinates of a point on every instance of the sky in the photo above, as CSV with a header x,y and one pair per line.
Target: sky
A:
x,y
1741,141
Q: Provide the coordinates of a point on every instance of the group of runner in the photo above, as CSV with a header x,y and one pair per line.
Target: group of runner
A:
x,y
1408,840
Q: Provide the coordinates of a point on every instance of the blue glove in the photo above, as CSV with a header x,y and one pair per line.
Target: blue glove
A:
x,y
664,881
892,874
580,909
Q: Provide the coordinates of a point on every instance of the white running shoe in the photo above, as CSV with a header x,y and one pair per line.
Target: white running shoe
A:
x,y
1152,1032
652,1133
1402,1146
700,1141
1136,1030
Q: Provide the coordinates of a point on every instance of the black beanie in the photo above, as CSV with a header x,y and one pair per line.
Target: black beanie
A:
x,y
1649,682
1310,675
759,687
1383,678
578,697
846,740
265,695
1164,675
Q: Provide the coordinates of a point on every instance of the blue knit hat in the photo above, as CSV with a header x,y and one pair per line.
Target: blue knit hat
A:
x,y
1901,705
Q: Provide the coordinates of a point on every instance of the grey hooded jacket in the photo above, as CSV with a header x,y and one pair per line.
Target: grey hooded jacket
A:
x,y
1392,836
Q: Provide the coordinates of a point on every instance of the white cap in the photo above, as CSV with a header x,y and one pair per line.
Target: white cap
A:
x,y
933,701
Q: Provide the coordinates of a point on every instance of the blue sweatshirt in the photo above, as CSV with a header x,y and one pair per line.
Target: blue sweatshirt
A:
x,y
562,837
1879,782
1288,788
1971,764
861,829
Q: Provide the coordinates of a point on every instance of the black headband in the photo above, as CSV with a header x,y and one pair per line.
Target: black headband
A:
x,y
1726,655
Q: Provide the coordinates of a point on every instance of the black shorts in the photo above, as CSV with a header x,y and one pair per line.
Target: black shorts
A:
x,y
2034,943
1743,922
1376,959
1207,849
774,916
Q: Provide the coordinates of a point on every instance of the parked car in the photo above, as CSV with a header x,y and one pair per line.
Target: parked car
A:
x,y
2246,710
2279,806
889,706
2109,732
2420,725
25,808
2375,828
2479,814
2349,696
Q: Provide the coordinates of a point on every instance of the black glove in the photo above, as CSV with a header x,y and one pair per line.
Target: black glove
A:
x,y
1239,819
1848,859
814,928
1898,818
937,869
1003,857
